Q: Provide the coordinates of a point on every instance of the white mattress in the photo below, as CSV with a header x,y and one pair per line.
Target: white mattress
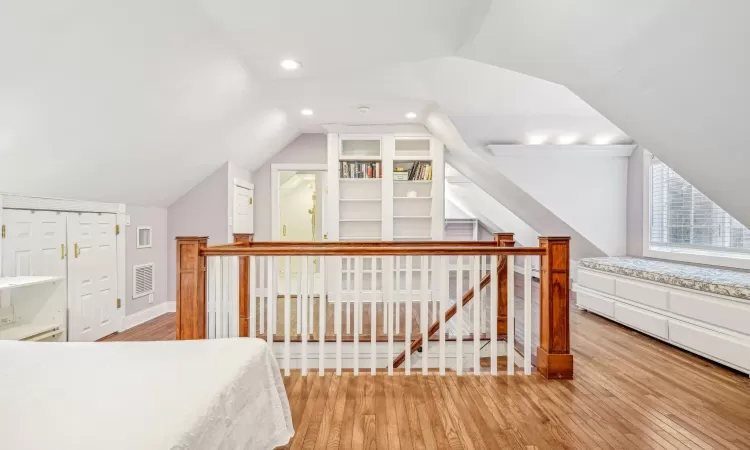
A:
x,y
210,394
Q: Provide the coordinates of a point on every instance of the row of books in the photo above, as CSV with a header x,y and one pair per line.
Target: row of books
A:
x,y
417,171
353,169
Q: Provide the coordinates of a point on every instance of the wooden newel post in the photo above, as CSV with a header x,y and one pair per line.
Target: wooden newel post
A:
x,y
553,356
191,288
503,240
244,297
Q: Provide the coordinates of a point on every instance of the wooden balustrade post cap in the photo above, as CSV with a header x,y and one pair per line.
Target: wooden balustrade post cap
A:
x,y
243,237
554,238
191,238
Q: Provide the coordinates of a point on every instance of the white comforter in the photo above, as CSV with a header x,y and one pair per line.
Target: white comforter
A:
x,y
207,395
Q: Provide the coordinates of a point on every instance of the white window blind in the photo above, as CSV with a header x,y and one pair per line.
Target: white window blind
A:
x,y
681,216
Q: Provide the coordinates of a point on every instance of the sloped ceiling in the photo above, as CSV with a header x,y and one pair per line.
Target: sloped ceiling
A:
x,y
138,101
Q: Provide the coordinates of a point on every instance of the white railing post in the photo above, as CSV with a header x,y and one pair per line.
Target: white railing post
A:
x,y
271,299
527,325
357,298
493,314
262,280
253,280
459,316
397,296
337,319
373,320
224,296
510,343
477,308
444,293
322,313
407,316
234,296
211,299
303,298
388,305
287,314
424,305
300,261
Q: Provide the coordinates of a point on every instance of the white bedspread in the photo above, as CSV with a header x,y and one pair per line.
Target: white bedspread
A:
x,y
208,395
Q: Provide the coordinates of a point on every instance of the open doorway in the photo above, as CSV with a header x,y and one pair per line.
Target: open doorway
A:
x,y
299,216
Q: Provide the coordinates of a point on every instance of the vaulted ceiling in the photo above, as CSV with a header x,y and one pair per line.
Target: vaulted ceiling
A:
x,y
137,101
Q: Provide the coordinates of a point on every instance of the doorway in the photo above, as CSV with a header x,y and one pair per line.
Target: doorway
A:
x,y
299,213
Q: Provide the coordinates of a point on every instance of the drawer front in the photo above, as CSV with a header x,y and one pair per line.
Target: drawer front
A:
x,y
723,313
597,282
596,304
642,320
642,293
722,347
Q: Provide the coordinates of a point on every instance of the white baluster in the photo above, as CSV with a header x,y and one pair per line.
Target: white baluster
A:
x,y
211,301
303,298
224,297
388,305
337,320
382,288
477,308
424,304
287,315
510,342
299,294
357,299
527,325
234,295
482,312
261,282
271,299
373,320
349,297
397,297
444,293
311,297
407,315
435,261
459,315
493,315
253,280
322,311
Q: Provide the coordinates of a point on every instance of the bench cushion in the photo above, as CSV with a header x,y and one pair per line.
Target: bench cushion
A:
x,y
732,283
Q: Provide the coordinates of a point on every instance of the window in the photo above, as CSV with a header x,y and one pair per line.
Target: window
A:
x,y
682,217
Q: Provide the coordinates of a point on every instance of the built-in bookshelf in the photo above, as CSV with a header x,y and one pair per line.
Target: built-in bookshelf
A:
x,y
389,187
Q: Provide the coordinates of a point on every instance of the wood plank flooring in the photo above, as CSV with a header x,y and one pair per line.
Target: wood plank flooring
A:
x,y
629,392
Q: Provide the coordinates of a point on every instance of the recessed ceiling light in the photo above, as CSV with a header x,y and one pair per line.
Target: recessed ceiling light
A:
x,y
567,139
290,64
306,112
537,139
411,115
602,140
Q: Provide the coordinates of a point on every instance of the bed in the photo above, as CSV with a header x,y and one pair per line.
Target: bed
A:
x,y
217,394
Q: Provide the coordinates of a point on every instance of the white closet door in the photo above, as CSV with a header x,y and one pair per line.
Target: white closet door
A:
x,y
33,243
243,210
92,276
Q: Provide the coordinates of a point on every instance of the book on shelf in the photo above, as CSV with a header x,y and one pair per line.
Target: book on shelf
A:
x,y
356,169
414,171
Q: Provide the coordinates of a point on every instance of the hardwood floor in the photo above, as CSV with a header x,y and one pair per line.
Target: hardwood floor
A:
x,y
629,392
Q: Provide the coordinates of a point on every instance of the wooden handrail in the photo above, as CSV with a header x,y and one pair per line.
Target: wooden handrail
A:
x,y
303,244
362,250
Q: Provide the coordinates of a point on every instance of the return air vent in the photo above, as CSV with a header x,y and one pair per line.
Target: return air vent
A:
x,y
143,280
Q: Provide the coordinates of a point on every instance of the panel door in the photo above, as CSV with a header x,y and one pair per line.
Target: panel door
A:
x,y
34,243
243,210
92,276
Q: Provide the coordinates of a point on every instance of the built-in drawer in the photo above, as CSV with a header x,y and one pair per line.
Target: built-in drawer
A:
x,y
716,311
644,293
726,348
642,320
596,304
595,281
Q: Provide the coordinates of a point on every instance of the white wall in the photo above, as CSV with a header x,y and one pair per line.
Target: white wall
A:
x,y
588,192
308,148
203,211
156,218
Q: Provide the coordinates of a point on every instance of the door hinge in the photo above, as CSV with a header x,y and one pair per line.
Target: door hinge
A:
x,y
250,201
118,303
117,229
3,231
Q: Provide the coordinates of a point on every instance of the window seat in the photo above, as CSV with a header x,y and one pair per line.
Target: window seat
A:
x,y
700,309
731,283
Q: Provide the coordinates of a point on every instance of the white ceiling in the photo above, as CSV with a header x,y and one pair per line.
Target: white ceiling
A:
x,y
137,101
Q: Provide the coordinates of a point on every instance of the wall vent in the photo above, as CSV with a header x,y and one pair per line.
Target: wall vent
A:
x,y
144,237
143,280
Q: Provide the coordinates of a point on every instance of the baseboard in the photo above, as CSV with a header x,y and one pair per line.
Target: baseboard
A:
x,y
146,315
171,306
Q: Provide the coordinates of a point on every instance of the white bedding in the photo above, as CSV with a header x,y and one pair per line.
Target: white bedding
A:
x,y
207,395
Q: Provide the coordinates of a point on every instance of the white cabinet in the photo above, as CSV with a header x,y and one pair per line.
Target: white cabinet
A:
x,y
713,326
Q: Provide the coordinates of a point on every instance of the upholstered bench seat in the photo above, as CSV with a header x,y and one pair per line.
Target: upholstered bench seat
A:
x,y
731,283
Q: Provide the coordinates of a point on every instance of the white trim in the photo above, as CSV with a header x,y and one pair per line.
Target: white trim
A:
x,y
121,239
687,255
145,315
609,151
275,205
14,201
244,184
150,237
